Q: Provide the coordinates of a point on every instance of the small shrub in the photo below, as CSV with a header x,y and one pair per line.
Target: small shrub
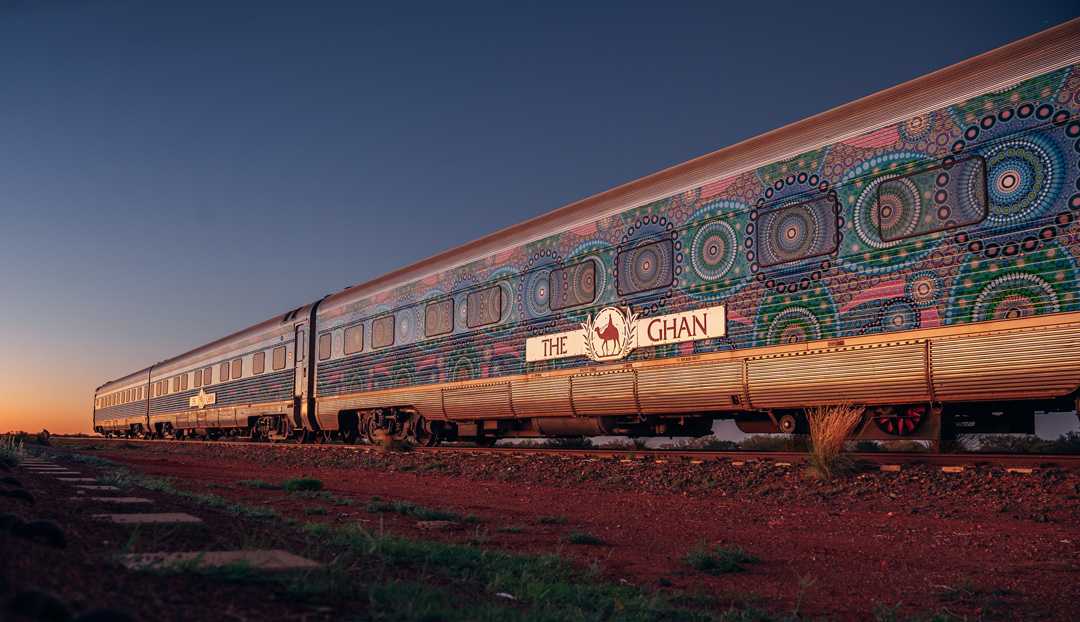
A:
x,y
580,537
552,520
718,559
302,483
315,511
511,529
830,427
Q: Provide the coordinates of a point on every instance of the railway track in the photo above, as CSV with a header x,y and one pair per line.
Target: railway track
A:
x,y
1067,461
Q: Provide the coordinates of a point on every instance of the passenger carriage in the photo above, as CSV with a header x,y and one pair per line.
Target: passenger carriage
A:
x,y
914,252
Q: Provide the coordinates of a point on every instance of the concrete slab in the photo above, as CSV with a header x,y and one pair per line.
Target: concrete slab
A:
x,y
952,469
120,500
164,518
85,487
890,468
76,479
265,560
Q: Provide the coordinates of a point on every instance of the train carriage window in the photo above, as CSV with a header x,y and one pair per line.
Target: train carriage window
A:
x,y
354,339
278,358
645,267
796,232
198,378
258,363
439,318
175,384
326,344
184,382
237,369
573,285
947,196
382,332
483,307
207,376
223,372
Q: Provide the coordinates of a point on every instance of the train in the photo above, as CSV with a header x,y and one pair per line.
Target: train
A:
x,y
913,252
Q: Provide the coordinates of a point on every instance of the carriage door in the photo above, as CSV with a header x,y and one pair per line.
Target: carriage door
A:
x,y
300,363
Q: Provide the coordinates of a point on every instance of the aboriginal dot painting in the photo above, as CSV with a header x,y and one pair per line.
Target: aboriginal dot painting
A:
x,y
574,285
964,214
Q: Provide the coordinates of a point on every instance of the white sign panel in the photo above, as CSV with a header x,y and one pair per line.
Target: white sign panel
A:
x,y
615,333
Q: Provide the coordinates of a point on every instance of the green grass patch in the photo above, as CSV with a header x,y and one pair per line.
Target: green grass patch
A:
x,y
580,537
315,511
718,559
510,529
302,483
418,512
543,587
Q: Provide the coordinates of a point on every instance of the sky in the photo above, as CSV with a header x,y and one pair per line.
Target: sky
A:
x,y
173,172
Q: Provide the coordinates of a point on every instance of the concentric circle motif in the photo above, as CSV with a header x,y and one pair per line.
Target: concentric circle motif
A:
x,y
646,267
791,234
581,283
408,327
917,128
537,293
899,314
713,250
1024,177
793,325
1013,296
924,289
900,208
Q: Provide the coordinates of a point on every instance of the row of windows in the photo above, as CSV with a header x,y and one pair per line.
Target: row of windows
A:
x,y
229,370
950,195
483,307
120,397
947,196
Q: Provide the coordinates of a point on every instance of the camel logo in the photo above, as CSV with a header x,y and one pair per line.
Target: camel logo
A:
x,y
202,399
612,334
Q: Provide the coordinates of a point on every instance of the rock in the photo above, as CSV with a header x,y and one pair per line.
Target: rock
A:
x,y
42,532
37,605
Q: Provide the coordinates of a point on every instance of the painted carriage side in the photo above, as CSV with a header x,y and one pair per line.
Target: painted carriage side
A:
x,y
959,215
918,245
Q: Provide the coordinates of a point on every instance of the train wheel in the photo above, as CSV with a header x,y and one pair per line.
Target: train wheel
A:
x,y
423,434
787,424
902,421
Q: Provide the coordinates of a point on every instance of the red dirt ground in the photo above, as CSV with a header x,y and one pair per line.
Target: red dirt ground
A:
x,y
981,544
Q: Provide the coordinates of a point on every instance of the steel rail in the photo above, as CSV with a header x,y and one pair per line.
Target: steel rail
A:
x,y
1069,461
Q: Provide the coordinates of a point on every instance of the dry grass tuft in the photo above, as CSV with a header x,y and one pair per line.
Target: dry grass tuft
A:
x,y
830,426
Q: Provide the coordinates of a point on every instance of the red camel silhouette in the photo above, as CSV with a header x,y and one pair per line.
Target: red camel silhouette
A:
x,y
608,334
